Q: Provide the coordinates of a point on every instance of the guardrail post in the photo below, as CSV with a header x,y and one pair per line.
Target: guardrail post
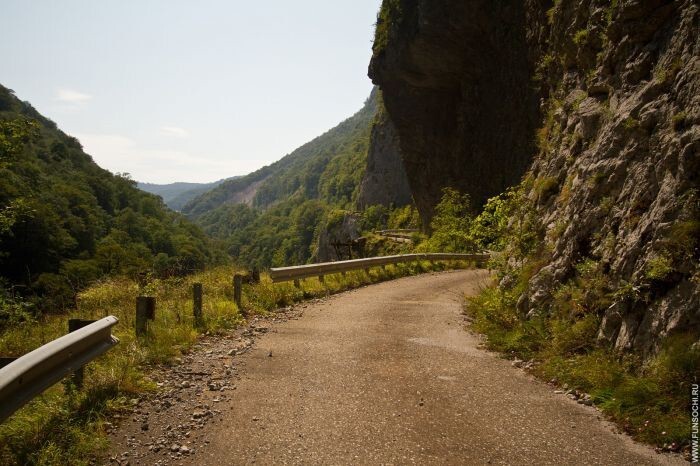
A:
x,y
79,374
197,303
297,283
145,311
238,290
321,279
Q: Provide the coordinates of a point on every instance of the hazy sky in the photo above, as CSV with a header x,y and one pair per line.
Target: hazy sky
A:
x,y
189,90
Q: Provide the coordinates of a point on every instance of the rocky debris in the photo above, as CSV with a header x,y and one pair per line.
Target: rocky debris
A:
x,y
166,426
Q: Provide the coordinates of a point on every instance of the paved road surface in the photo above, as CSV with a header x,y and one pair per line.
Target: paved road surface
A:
x,y
387,374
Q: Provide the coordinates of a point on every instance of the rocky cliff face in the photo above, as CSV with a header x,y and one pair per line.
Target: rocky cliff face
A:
x,y
385,181
615,177
456,82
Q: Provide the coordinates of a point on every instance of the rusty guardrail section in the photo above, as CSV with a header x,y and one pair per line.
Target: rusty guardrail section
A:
x,y
31,374
282,274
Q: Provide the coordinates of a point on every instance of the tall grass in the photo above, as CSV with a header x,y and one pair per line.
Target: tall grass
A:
x,y
650,400
66,426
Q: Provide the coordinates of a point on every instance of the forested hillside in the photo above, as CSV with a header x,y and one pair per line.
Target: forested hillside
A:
x,y
65,222
274,215
329,167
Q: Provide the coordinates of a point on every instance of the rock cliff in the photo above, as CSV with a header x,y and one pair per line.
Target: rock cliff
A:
x,y
455,77
384,181
614,177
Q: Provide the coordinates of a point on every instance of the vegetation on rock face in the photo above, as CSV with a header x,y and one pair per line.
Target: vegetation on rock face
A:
x,y
65,222
388,19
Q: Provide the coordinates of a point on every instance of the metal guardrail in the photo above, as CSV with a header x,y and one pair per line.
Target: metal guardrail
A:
x,y
395,231
282,274
31,374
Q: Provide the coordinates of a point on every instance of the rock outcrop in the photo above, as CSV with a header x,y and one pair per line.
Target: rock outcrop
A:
x,y
615,176
338,240
455,77
384,182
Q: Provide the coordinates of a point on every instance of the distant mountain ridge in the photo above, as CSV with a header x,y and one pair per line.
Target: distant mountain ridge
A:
x,y
176,195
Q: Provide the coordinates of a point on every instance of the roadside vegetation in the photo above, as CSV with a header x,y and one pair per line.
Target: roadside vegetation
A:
x,y
559,341
67,426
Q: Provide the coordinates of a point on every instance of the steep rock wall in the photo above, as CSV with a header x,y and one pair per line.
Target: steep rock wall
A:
x,y
455,78
385,181
615,176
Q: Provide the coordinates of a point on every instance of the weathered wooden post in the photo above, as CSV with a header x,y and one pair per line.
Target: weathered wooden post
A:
x,y
79,374
197,303
145,311
321,279
238,290
297,283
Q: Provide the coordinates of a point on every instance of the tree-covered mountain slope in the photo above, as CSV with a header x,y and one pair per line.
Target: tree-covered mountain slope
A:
x,y
275,215
330,168
64,221
177,195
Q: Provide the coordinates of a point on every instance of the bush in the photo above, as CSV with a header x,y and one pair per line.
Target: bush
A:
x,y
451,224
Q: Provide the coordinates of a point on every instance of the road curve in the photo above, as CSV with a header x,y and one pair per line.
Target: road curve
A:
x,y
386,374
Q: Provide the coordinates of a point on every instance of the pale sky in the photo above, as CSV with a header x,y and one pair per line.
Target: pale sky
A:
x,y
172,90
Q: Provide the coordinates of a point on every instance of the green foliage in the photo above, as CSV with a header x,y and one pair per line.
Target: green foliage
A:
x,y
388,20
406,217
581,37
375,217
631,123
658,267
507,223
552,12
650,401
450,224
64,222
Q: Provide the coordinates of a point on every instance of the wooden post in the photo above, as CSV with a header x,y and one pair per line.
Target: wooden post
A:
x,y
321,279
145,311
79,374
296,283
237,290
255,275
197,303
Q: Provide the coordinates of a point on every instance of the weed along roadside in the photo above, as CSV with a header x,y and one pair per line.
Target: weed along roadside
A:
x,y
66,425
648,401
